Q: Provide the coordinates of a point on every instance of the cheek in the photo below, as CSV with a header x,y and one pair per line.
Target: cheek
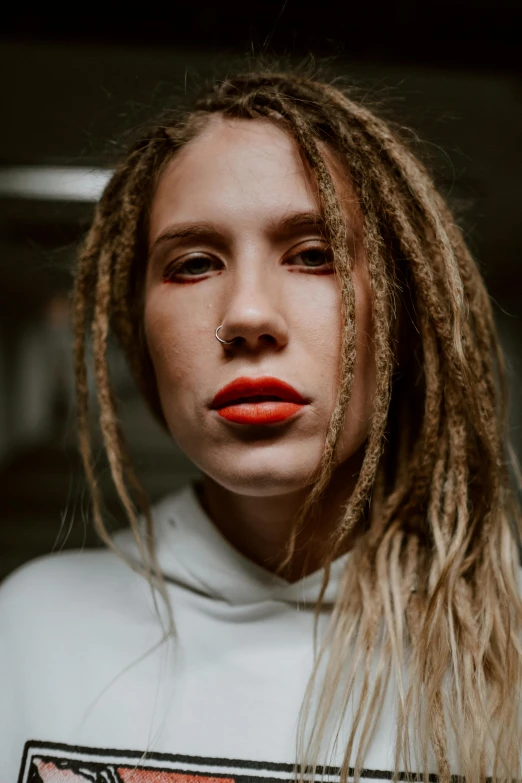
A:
x,y
176,348
179,335
165,347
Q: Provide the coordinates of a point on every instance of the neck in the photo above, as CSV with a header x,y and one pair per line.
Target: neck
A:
x,y
259,527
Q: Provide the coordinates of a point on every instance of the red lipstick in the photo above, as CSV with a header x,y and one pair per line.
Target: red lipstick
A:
x,y
264,400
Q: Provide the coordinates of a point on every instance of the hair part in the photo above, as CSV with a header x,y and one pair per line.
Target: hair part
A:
x,y
433,581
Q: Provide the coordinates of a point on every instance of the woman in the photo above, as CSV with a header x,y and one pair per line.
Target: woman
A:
x,y
302,315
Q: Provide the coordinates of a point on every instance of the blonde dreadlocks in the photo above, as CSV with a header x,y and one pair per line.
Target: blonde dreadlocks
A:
x,y
436,566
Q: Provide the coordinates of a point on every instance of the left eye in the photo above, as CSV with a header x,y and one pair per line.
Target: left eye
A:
x,y
313,257
197,265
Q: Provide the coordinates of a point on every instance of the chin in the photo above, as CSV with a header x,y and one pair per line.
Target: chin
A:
x,y
257,482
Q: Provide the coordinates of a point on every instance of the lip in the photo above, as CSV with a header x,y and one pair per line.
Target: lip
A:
x,y
233,402
245,387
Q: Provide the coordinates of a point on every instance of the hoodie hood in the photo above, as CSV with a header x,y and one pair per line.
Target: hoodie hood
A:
x,y
192,553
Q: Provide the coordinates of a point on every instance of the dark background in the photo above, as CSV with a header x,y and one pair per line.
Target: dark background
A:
x,y
71,86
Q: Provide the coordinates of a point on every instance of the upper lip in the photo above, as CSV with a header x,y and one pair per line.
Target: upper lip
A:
x,y
266,386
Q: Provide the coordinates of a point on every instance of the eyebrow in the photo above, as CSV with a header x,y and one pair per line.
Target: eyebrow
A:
x,y
286,226
201,230
298,220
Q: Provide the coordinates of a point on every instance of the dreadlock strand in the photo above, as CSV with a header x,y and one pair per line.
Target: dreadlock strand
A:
x,y
83,297
431,435
85,277
115,446
106,401
417,181
131,219
413,176
125,309
384,365
417,480
398,207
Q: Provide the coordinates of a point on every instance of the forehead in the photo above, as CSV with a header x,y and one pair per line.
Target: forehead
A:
x,y
243,172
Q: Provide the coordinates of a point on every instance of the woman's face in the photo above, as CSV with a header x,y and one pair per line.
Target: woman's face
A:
x,y
235,239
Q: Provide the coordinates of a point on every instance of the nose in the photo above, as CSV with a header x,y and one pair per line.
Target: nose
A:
x,y
252,316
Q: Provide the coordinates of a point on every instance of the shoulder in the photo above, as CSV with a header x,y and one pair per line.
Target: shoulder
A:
x,y
63,585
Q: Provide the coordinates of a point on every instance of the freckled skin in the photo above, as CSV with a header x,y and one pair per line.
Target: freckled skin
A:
x,y
243,176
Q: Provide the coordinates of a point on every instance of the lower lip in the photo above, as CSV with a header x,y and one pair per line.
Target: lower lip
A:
x,y
259,412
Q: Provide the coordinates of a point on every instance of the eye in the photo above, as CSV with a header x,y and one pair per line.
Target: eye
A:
x,y
197,266
190,268
314,258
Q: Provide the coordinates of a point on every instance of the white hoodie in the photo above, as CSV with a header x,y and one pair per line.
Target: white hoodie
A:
x,y
88,692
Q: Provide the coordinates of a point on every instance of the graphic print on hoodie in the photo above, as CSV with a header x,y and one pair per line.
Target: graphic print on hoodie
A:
x,y
59,764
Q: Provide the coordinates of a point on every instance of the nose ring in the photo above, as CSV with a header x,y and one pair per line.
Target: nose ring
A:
x,y
225,342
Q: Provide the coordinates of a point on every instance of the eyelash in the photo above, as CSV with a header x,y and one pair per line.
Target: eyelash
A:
x,y
174,268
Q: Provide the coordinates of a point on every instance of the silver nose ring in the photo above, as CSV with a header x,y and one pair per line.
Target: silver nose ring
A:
x,y
225,342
